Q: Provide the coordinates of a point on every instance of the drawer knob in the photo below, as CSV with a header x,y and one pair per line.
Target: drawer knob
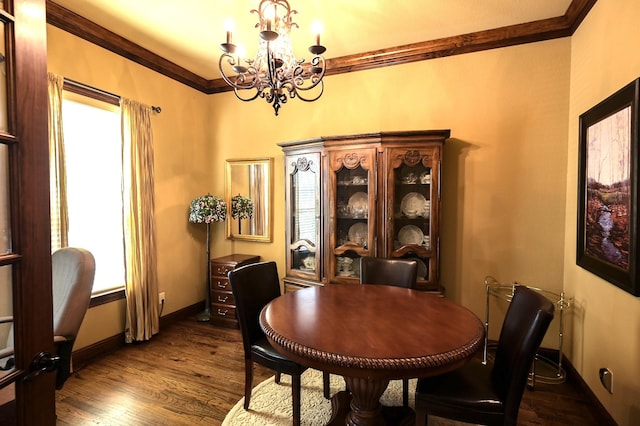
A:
x,y
222,313
223,299
222,284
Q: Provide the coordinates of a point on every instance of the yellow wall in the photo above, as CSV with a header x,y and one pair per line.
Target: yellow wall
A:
x,y
606,320
184,164
504,168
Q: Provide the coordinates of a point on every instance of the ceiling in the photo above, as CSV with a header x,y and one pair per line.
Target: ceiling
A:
x,y
188,32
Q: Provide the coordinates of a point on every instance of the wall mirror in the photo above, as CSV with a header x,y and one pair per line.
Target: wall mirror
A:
x,y
251,179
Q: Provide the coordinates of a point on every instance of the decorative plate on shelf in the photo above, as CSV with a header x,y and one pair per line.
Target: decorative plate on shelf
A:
x,y
413,205
425,177
409,178
358,203
410,234
358,233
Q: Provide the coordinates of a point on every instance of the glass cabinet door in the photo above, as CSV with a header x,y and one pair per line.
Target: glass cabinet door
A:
x,y
352,201
303,216
412,208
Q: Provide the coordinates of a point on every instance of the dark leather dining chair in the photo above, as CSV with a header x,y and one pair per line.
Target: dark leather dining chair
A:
x,y
491,394
254,286
393,272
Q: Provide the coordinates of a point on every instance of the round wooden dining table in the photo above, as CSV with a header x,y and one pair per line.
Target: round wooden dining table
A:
x,y
371,334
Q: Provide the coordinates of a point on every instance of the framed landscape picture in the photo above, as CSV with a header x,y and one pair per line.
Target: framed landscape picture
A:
x,y
607,241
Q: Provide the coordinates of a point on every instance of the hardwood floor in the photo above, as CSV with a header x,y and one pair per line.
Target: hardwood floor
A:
x,y
193,373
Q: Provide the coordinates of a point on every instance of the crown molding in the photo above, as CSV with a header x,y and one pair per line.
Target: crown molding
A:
x,y
85,29
530,32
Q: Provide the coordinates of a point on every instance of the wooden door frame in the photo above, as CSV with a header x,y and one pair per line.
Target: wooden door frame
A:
x,y
30,217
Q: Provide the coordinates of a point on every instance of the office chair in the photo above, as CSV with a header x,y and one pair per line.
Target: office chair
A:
x,y
72,272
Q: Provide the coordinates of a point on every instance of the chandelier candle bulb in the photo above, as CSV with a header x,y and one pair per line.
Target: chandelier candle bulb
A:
x,y
229,27
270,14
316,29
238,68
241,51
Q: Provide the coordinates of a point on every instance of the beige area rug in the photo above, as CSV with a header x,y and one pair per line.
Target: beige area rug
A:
x,y
271,402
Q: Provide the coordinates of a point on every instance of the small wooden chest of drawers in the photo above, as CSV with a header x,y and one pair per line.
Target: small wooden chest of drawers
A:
x,y
223,307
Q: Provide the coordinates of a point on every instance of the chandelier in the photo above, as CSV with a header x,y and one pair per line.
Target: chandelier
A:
x,y
275,73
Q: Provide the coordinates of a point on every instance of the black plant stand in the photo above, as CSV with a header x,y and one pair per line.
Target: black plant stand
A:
x,y
205,315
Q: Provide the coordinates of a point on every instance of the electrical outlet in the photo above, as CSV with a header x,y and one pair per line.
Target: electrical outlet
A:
x,y
606,378
161,298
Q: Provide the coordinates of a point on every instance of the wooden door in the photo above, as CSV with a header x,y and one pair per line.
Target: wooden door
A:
x,y
25,256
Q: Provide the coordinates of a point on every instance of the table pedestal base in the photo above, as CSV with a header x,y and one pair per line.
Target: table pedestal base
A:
x,y
362,406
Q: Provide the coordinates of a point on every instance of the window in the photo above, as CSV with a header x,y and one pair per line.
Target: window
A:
x,y
92,143
307,205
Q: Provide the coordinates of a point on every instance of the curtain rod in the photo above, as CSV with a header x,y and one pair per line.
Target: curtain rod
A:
x,y
95,93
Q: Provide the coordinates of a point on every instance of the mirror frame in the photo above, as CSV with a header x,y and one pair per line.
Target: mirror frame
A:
x,y
266,191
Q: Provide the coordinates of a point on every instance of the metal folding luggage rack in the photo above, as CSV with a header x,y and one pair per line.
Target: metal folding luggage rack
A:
x,y
548,371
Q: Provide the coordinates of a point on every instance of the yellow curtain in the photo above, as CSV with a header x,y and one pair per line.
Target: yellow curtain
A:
x,y
142,320
57,174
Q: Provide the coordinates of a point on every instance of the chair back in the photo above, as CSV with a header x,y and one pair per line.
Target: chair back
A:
x,y
525,324
394,272
73,270
253,286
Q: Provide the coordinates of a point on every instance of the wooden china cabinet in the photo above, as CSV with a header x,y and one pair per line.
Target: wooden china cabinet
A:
x,y
375,194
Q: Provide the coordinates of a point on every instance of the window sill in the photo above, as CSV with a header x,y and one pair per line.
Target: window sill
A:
x,y
112,296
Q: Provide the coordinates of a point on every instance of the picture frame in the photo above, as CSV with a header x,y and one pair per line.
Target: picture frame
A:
x,y
607,234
